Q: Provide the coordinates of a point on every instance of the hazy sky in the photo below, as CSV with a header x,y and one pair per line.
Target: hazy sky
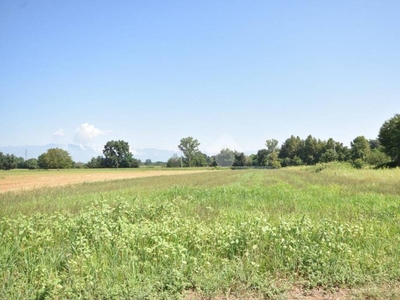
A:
x,y
152,72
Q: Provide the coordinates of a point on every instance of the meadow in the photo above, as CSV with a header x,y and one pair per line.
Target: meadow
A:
x,y
295,233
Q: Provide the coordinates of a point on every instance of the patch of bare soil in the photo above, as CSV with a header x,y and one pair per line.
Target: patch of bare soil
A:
x,y
318,294
384,292
54,178
293,295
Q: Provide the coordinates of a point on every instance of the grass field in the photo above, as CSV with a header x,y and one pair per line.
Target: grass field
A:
x,y
297,233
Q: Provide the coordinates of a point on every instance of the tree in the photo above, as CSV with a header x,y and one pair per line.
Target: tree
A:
x,y
360,148
374,144
273,160
240,159
389,137
261,158
190,147
55,158
147,162
20,161
377,157
96,162
174,162
225,158
200,160
8,162
211,162
310,151
117,155
31,164
291,151
272,145
328,156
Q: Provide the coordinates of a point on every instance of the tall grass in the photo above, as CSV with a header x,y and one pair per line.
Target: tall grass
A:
x,y
258,231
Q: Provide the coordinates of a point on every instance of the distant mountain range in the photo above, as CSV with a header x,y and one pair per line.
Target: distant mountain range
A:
x,y
80,154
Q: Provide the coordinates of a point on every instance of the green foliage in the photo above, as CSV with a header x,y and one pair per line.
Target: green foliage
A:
x,y
389,137
240,160
20,163
328,156
310,150
190,148
291,151
229,231
79,165
260,160
174,162
360,148
200,160
118,155
96,162
273,160
225,158
8,162
31,164
55,158
374,144
359,163
272,145
377,157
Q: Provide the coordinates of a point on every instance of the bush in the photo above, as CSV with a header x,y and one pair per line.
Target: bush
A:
x,y
358,163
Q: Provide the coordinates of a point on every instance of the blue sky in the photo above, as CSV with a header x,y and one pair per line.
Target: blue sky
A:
x,y
153,72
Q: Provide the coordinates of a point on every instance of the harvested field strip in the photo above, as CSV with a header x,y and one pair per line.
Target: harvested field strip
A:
x,y
39,179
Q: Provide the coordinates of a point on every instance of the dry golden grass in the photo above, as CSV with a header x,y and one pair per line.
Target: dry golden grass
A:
x,y
27,180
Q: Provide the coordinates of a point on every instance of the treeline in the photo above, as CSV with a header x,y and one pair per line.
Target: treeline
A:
x,y
383,151
294,151
116,155
54,158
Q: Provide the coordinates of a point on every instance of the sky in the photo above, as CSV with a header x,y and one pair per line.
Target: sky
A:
x,y
153,72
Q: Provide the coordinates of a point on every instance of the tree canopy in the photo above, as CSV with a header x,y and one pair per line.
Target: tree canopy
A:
x,y
189,147
7,161
389,137
55,158
118,155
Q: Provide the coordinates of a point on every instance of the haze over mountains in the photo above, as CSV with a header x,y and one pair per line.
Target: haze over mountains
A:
x,y
82,154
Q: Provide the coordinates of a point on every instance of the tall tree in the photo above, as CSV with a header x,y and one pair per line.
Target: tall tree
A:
x,y
310,151
261,158
117,155
190,147
291,151
389,137
360,148
240,159
272,145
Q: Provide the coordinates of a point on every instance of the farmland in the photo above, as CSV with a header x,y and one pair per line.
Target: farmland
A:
x,y
294,233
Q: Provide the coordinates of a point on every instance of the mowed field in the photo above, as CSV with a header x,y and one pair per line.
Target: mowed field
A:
x,y
25,180
324,232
